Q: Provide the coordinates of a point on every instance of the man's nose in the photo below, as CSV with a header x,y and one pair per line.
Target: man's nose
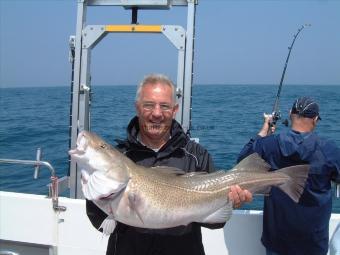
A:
x,y
157,112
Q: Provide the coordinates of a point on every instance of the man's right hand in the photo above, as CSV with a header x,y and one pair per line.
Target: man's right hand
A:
x,y
239,196
267,127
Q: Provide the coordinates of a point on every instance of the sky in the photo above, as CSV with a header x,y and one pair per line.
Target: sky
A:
x,y
236,42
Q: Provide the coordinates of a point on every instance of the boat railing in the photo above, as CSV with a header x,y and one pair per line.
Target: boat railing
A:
x,y
55,182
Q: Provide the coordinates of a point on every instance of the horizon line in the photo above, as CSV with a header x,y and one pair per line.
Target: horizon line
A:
x,y
196,84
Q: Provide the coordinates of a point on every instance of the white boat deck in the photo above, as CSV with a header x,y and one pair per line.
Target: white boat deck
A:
x,y
29,225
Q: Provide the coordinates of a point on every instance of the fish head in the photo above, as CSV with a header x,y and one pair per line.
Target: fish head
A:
x,y
94,154
90,152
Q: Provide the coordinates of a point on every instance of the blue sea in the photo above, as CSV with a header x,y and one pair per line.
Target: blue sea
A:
x,y
224,118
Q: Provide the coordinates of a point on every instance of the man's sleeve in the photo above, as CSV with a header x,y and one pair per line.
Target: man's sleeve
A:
x,y
95,215
204,160
207,163
248,149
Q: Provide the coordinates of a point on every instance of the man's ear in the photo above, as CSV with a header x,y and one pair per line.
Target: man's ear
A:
x,y
175,111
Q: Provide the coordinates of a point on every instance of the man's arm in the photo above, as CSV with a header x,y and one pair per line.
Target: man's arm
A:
x,y
236,194
249,148
95,215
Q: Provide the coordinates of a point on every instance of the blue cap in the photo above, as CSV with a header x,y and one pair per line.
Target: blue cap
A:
x,y
306,107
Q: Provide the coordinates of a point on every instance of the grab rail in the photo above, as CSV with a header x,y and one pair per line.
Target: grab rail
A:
x,y
36,163
54,179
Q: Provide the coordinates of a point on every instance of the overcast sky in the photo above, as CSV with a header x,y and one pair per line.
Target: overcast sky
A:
x,y
237,42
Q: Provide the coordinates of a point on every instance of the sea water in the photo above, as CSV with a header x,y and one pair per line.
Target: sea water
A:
x,y
224,118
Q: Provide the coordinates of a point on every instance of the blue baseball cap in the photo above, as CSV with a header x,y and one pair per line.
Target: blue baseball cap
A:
x,y
306,107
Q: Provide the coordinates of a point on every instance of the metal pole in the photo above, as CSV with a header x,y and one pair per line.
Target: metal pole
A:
x,y
337,190
81,17
189,62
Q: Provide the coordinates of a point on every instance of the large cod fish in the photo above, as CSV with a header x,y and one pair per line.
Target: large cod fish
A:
x,y
164,197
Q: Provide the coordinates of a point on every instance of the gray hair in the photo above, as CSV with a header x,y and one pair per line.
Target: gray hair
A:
x,y
154,79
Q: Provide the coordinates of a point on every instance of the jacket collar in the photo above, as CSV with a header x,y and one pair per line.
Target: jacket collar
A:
x,y
294,141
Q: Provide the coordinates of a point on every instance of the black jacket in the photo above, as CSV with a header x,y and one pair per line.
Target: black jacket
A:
x,y
179,152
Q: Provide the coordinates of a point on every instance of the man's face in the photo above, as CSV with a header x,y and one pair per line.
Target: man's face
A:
x,y
156,109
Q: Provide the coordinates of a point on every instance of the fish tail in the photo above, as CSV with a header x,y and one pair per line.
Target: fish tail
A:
x,y
294,186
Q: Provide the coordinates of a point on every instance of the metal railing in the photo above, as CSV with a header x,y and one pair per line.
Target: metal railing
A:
x,y
54,190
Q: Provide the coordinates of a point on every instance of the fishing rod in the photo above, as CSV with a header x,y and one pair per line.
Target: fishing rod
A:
x,y
276,114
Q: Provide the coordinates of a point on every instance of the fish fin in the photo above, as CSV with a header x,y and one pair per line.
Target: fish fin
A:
x,y
84,176
108,225
103,205
263,191
253,161
98,185
221,215
134,201
168,170
295,185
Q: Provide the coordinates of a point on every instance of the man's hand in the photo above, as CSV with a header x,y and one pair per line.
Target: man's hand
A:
x,y
239,196
267,128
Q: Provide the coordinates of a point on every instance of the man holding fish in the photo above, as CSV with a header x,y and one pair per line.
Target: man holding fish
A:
x,y
156,139
154,193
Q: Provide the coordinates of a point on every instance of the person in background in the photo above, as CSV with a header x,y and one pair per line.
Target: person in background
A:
x,y
154,138
291,228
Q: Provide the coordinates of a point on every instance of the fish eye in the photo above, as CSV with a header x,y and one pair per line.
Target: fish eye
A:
x,y
103,146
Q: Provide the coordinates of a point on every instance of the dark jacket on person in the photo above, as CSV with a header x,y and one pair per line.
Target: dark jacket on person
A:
x,y
298,228
179,152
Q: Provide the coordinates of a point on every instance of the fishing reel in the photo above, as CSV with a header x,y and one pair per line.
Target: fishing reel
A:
x,y
276,116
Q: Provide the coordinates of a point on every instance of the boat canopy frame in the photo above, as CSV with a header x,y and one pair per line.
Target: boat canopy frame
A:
x,y
88,36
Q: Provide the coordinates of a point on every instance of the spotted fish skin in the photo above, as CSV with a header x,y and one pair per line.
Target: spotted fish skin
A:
x,y
165,197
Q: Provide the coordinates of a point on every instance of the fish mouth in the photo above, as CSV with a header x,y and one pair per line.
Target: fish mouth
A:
x,y
76,152
82,143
